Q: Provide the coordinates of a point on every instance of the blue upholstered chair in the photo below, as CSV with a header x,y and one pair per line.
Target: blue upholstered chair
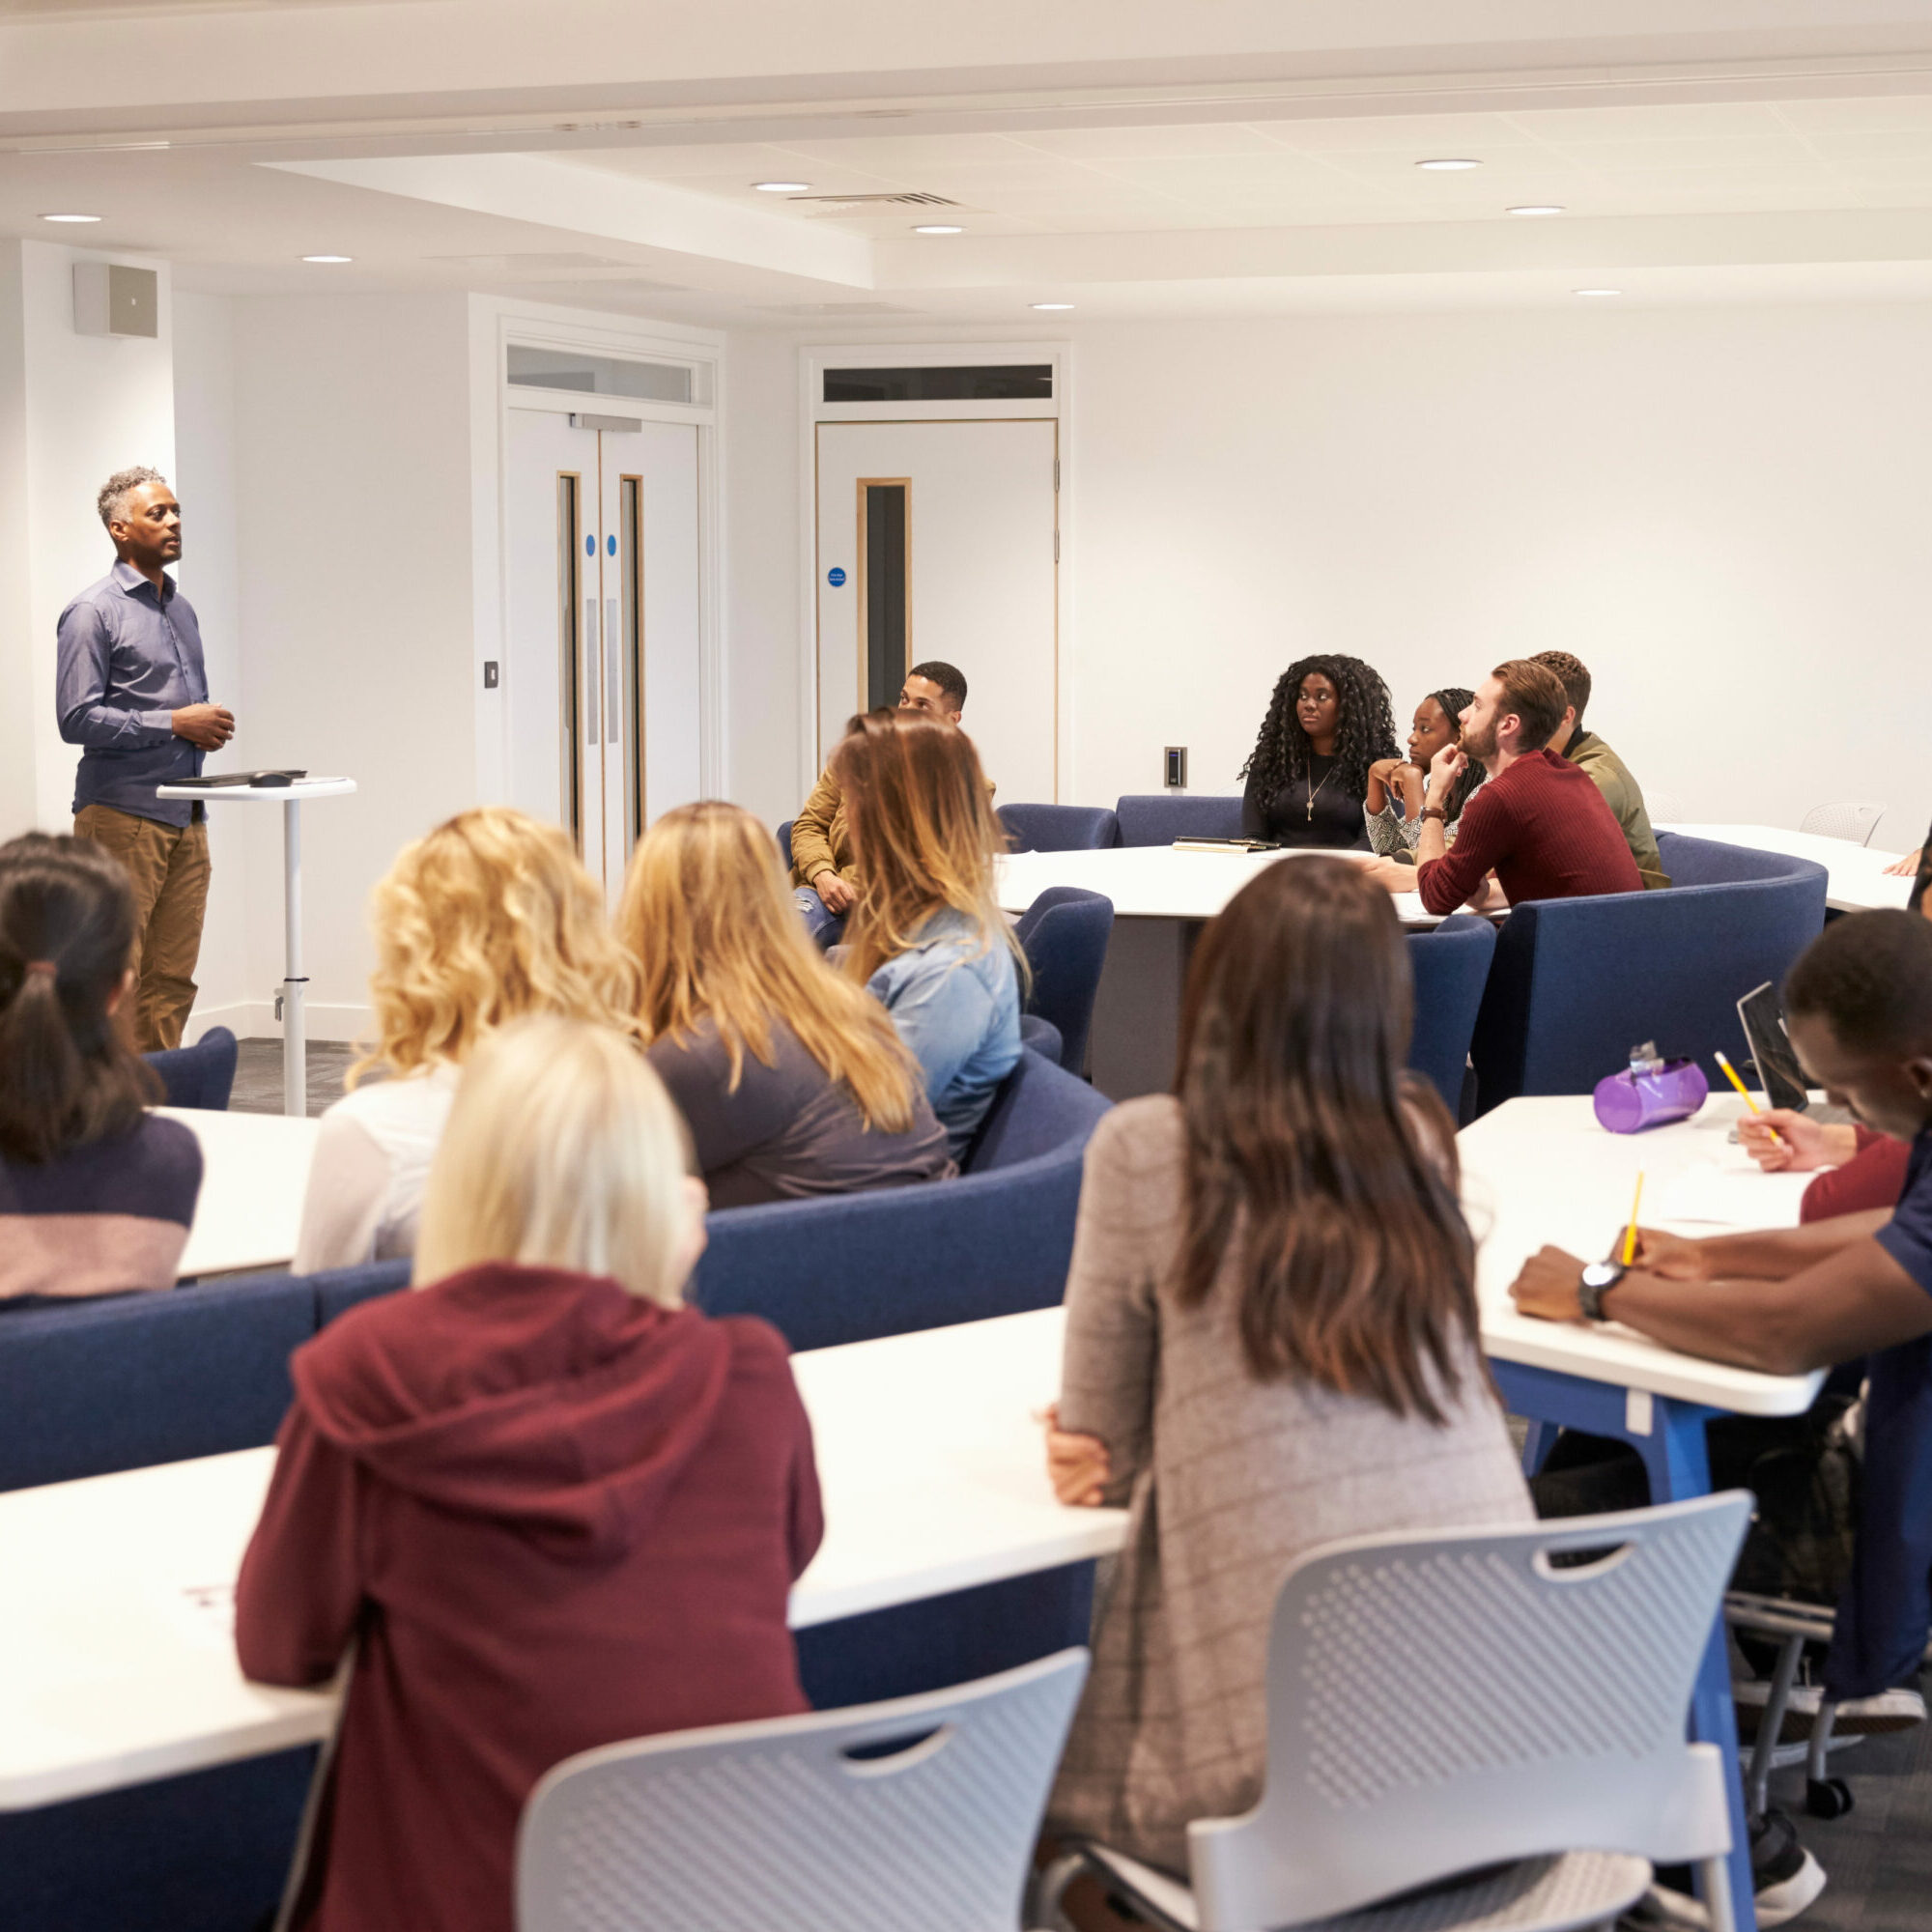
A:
x,y
1043,1037
1575,984
1064,934
123,1380
201,1076
1159,818
1059,828
846,1267
1451,966
339,1289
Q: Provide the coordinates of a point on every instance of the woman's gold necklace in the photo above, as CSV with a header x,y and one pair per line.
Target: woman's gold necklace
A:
x,y
1314,789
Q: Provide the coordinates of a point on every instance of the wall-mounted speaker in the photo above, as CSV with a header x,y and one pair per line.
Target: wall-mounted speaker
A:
x,y
113,300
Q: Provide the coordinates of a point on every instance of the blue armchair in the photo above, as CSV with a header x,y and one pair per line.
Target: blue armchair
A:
x,y
1059,828
1161,818
1451,967
201,1076
1575,984
1064,934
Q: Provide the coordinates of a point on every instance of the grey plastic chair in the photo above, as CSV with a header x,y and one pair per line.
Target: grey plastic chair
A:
x,y
1443,1704
1855,819
813,1824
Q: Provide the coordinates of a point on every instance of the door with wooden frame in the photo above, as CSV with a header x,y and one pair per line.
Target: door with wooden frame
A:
x,y
941,540
602,676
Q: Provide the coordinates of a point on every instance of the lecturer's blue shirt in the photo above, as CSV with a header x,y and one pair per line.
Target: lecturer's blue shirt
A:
x,y
127,663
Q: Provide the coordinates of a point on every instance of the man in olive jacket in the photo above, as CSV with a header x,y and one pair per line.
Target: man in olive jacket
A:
x,y
1610,775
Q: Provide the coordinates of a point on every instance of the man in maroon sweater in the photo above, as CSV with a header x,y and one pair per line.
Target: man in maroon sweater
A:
x,y
1540,824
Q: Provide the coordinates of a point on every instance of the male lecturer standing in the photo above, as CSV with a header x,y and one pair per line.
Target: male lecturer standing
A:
x,y
133,692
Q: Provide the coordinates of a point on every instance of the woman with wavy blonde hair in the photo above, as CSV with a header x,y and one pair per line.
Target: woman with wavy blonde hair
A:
x,y
487,917
927,936
791,1079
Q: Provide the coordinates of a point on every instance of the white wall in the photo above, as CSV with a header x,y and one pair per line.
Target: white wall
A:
x,y
74,408
762,634
352,479
1721,511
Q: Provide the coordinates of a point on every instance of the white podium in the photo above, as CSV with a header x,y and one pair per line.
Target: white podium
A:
x,y
295,982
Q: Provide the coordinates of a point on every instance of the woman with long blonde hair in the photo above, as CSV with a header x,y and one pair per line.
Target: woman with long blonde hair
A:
x,y
558,1507
926,935
790,1077
487,917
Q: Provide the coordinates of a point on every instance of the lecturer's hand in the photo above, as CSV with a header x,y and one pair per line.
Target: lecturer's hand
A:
x,y
206,726
837,894
1905,868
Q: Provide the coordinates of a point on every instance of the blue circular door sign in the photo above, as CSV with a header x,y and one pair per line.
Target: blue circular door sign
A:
x,y
835,577
610,546
590,545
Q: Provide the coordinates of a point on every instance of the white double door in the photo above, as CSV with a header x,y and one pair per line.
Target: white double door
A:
x,y
602,686
941,540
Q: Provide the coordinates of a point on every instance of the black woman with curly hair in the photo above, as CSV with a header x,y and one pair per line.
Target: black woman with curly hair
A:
x,y
1327,723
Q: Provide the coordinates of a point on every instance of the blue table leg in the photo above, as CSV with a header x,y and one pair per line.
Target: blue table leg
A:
x,y
1676,1462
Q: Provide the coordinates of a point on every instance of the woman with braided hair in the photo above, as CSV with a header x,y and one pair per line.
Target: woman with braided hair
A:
x,y
1397,782
1308,777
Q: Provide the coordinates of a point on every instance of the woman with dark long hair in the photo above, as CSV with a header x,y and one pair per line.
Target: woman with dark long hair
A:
x,y
1308,776
1272,1342
1401,782
96,1194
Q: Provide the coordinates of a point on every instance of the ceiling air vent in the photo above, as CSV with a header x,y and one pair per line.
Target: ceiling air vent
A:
x,y
912,199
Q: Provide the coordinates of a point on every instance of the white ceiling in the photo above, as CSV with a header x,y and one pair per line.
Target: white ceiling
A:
x,y
1255,156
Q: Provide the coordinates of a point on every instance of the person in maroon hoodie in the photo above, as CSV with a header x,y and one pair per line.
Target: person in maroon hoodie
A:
x,y
550,1507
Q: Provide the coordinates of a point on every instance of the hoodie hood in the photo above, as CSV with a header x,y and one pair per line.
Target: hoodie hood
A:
x,y
551,1401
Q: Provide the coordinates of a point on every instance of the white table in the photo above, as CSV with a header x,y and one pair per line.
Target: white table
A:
x,y
115,1604
1859,881
254,1174
1162,897
295,982
1541,1170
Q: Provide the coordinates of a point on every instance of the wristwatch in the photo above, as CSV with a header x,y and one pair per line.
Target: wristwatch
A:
x,y
1434,811
1597,1280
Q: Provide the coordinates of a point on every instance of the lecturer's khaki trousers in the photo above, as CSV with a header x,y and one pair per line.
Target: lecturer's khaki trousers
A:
x,y
168,865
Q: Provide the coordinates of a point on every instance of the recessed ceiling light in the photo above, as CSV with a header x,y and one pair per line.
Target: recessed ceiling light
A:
x,y
1596,292
1447,168
938,228
1537,207
1049,304
781,188
328,258
70,217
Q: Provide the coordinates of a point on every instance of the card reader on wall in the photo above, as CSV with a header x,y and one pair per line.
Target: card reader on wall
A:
x,y
1175,756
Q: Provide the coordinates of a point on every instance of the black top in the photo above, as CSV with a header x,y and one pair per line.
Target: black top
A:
x,y
1336,821
1922,888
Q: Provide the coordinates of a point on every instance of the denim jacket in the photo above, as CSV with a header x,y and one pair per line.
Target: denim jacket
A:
x,y
955,1003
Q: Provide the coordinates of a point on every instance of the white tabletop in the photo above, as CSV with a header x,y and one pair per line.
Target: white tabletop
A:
x,y
254,1174
292,792
1159,881
115,1595
1541,1170
1859,881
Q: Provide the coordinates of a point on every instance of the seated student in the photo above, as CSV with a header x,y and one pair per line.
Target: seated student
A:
x,y
1398,781
1610,775
823,870
926,935
489,916
1308,776
1271,1343
557,1508
1539,824
96,1195
792,1078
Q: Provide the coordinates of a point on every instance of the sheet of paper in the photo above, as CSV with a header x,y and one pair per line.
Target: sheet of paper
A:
x,y
1729,1193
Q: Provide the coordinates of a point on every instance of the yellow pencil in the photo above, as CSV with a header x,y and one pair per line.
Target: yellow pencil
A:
x,y
1731,1074
1629,1236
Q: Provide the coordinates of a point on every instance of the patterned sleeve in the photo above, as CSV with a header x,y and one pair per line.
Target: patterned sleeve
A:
x,y
1389,834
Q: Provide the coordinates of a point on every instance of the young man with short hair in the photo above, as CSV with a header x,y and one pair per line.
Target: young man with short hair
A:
x,y
1539,824
822,866
1612,776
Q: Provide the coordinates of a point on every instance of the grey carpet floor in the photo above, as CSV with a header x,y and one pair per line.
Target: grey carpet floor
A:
x,y
258,1076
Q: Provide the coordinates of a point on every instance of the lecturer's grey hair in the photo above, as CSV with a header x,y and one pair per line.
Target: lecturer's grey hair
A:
x,y
115,492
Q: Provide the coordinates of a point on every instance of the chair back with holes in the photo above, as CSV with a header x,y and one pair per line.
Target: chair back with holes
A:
x,y
813,1824
1855,819
1438,1703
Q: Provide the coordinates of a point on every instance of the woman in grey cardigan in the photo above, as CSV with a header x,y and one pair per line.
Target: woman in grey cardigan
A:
x,y
1271,1343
